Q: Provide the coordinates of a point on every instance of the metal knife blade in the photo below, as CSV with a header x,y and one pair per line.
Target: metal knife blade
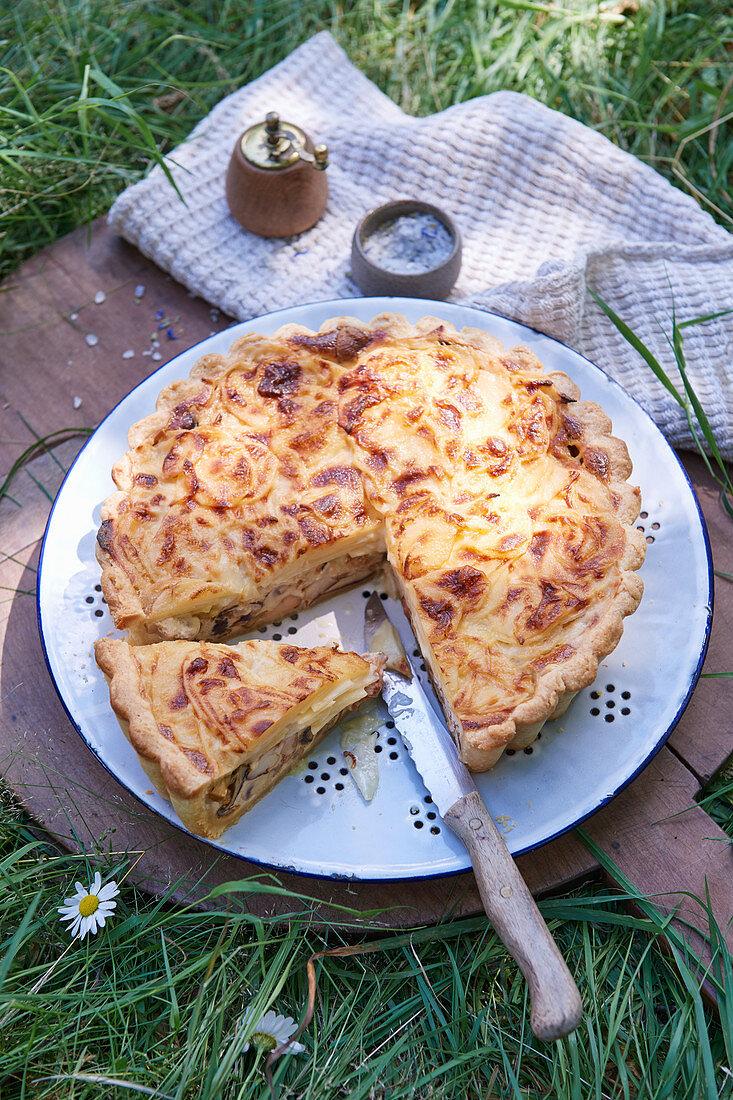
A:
x,y
425,733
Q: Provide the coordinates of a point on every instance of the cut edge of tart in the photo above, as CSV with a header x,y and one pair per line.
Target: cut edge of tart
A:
x,y
216,726
501,500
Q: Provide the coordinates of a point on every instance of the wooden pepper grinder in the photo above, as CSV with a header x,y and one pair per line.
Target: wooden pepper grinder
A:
x,y
276,184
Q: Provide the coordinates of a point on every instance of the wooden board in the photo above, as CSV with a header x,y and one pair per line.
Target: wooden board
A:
x,y
654,831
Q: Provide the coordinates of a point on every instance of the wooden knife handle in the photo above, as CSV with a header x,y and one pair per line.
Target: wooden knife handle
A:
x,y
556,1005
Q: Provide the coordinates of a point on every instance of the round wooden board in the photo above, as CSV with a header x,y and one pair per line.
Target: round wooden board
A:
x,y
46,312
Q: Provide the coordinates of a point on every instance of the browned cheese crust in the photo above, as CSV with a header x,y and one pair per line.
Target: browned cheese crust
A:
x,y
216,726
287,468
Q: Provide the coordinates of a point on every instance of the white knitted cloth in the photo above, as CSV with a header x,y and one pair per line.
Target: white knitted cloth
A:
x,y
547,208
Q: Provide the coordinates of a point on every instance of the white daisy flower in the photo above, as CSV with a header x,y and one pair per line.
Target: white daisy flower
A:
x,y
88,909
271,1031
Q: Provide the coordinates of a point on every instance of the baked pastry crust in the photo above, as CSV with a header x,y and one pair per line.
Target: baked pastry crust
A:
x,y
216,726
289,467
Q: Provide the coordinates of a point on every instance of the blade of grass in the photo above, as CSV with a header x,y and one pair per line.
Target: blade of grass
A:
x,y
689,401
62,435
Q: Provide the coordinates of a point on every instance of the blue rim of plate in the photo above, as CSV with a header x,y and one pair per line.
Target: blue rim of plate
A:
x,y
340,876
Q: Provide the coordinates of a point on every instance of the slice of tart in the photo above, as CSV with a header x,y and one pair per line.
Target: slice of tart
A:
x,y
216,726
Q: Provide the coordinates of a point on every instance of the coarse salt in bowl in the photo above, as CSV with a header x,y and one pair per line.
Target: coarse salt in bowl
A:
x,y
407,247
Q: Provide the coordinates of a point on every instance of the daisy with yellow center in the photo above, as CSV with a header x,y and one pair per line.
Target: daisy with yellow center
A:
x,y
271,1031
88,909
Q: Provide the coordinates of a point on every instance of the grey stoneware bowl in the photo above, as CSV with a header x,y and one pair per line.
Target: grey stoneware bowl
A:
x,y
436,282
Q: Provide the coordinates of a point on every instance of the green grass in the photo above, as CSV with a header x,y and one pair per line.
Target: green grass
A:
x,y
156,1001
90,95
697,420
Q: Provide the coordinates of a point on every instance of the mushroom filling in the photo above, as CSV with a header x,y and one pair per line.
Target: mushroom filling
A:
x,y
250,781
253,779
298,593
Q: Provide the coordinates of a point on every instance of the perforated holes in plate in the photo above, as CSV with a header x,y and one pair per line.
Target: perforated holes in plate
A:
x,y
374,592
389,743
606,704
646,525
424,817
280,632
310,776
96,602
318,774
332,771
325,774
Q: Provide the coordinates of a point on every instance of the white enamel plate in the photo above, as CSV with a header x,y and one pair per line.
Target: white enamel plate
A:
x,y
316,822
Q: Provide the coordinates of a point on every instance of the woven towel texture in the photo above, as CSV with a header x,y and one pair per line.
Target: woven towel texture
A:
x,y
547,207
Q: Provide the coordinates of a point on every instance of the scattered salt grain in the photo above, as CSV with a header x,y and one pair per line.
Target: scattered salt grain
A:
x,y
157,355
214,314
128,354
73,316
91,339
99,297
77,402
139,290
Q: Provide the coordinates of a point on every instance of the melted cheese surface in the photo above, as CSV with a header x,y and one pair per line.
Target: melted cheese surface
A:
x,y
221,704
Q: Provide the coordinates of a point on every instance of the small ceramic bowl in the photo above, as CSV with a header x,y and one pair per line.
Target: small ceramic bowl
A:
x,y
433,282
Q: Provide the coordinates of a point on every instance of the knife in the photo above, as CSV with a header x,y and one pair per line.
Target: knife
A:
x,y
556,1005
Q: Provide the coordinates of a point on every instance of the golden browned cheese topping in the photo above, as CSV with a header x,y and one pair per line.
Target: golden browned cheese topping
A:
x,y
501,500
221,705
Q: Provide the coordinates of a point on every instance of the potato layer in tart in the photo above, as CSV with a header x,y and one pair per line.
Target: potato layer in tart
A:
x,y
289,467
216,726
